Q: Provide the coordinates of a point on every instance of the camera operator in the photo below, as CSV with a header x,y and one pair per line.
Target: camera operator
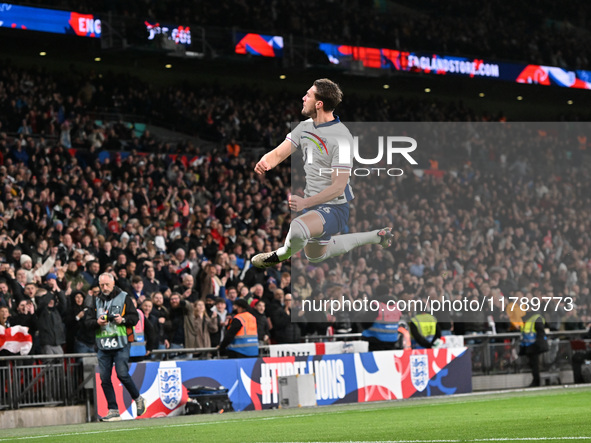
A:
x,y
112,314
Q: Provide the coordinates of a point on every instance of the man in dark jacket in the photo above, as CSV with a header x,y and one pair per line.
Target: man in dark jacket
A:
x,y
91,273
580,355
51,309
284,330
180,316
187,289
533,343
112,314
262,322
81,339
151,284
25,316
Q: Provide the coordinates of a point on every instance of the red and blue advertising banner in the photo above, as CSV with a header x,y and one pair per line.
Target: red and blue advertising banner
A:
x,y
252,382
438,64
49,20
259,44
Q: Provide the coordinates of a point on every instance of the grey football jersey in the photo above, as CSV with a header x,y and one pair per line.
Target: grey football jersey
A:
x,y
319,146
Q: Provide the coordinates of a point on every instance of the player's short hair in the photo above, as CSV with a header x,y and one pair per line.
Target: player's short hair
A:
x,y
329,93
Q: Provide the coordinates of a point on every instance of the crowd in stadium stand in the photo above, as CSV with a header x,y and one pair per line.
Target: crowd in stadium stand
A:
x,y
33,101
546,32
179,229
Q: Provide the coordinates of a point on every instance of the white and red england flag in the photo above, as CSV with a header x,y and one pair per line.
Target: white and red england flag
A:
x,y
16,339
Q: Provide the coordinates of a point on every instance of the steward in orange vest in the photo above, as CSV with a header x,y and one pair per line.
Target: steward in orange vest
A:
x,y
241,339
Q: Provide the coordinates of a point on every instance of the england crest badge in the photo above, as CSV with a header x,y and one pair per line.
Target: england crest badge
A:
x,y
419,371
170,388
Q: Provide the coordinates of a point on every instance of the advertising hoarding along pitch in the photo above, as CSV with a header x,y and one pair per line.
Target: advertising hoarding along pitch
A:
x,y
252,382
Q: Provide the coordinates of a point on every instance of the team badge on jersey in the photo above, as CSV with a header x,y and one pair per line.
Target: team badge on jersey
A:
x,y
318,141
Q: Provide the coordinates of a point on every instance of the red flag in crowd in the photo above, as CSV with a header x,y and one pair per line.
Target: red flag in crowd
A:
x,y
16,339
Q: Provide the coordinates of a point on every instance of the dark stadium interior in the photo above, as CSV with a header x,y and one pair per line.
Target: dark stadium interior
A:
x,y
122,152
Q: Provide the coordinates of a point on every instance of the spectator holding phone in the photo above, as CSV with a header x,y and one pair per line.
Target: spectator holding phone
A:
x,y
25,316
80,339
51,307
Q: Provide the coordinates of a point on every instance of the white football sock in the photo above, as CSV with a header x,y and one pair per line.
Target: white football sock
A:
x,y
341,244
297,238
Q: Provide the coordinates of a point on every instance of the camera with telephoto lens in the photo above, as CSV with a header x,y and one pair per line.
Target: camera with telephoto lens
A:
x,y
108,317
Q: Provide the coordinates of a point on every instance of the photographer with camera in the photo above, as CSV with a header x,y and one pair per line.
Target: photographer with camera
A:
x,y
113,313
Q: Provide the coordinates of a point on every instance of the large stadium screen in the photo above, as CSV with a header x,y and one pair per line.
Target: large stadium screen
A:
x,y
49,20
179,34
259,44
405,61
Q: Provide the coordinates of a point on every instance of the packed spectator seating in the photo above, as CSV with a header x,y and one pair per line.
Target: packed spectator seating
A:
x,y
546,32
34,101
170,219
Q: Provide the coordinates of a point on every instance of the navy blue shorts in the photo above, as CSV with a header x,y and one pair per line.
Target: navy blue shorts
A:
x,y
335,220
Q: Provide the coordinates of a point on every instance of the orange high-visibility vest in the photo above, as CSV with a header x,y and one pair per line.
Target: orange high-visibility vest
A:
x,y
246,341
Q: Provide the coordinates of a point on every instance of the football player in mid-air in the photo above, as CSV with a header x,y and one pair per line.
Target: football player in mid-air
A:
x,y
325,206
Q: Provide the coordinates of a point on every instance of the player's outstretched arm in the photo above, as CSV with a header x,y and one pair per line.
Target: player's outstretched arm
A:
x,y
273,158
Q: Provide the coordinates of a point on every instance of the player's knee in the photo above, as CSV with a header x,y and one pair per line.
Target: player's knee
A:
x,y
316,259
299,231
